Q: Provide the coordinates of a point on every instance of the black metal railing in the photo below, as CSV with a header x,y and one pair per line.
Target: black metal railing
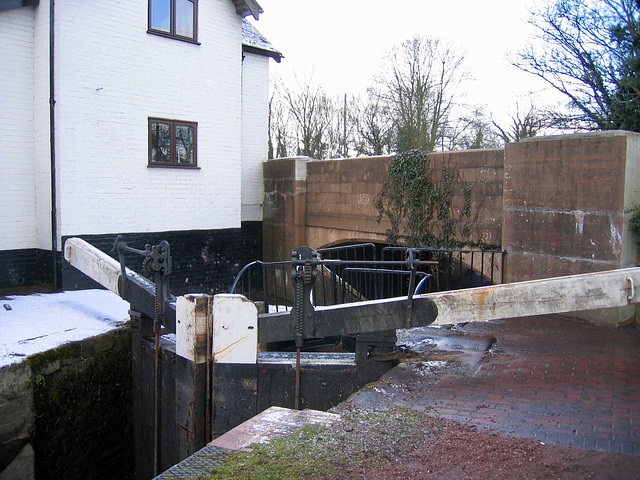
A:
x,y
457,268
267,282
352,273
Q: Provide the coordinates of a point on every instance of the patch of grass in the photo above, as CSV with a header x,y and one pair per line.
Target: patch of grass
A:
x,y
329,452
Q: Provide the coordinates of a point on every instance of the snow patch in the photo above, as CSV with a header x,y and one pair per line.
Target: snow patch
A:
x,y
36,323
425,369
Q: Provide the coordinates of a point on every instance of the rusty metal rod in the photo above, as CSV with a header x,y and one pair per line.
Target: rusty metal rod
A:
x,y
297,391
156,423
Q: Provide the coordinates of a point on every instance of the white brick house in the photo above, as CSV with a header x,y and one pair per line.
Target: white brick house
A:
x,y
159,128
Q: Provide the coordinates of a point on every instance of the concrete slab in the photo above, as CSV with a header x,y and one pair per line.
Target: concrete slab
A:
x,y
273,422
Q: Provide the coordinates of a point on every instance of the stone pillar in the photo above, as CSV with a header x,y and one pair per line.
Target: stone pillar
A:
x,y
564,203
285,203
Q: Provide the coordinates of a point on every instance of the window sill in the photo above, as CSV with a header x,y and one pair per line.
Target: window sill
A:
x,y
180,167
160,33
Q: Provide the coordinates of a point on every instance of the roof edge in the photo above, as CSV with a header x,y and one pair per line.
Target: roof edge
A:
x,y
277,56
11,4
248,7
254,42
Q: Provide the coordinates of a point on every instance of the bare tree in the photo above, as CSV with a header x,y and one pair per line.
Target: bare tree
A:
x,y
309,116
626,107
472,130
342,127
373,126
277,128
583,56
525,125
418,86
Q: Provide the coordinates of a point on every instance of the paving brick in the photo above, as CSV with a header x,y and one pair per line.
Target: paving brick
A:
x,y
627,448
553,382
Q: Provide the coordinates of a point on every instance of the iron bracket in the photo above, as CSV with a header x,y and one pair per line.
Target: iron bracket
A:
x,y
304,263
158,264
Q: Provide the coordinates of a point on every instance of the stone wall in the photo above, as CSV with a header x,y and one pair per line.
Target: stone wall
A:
x,y
555,204
285,203
66,413
564,204
483,170
17,422
336,203
341,201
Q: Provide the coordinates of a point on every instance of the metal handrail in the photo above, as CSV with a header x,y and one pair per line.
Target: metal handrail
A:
x,y
341,280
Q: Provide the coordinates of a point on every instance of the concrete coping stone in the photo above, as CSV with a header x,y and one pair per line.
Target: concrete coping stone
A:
x,y
271,423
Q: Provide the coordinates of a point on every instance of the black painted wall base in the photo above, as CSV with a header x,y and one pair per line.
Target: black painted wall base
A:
x,y
25,268
204,261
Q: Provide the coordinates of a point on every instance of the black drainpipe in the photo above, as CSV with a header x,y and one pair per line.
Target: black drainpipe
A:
x,y
52,139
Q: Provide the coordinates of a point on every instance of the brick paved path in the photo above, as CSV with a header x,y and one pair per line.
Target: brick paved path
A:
x,y
553,379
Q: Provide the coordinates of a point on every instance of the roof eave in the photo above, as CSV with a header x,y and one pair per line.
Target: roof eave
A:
x,y
11,4
248,7
277,56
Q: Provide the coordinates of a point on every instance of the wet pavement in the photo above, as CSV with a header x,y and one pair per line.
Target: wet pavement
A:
x,y
550,378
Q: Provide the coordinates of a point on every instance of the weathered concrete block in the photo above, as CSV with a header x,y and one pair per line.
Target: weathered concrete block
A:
x,y
16,419
22,466
564,202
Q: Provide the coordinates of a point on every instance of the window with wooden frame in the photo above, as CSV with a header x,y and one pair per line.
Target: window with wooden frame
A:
x,y
172,143
174,18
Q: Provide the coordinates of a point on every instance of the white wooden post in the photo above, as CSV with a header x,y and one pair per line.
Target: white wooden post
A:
x,y
235,330
191,372
235,362
193,327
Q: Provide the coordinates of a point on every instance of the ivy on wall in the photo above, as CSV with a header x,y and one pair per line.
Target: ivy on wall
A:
x,y
418,201
634,221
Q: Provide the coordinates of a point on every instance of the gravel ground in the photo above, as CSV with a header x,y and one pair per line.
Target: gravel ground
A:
x,y
454,451
399,443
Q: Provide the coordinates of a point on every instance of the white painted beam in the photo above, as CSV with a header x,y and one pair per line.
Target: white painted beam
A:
x,y
616,288
94,263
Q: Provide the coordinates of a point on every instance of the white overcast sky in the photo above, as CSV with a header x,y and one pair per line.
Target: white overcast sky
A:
x,y
340,42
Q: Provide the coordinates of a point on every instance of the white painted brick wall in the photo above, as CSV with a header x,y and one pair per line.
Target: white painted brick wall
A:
x,y
112,76
42,145
17,178
255,118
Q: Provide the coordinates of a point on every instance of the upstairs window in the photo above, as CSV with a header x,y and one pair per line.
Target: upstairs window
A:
x,y
174,18
172,143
